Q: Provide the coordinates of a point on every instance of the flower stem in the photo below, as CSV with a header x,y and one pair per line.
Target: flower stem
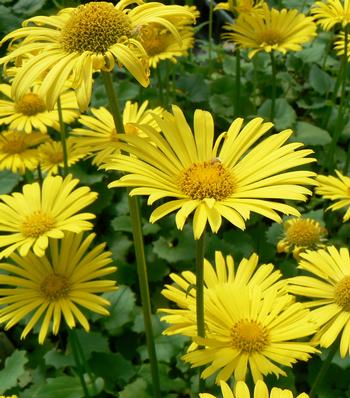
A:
x,y
160,86
40,174
339,121
63,137
273,93
73,338
200,295
323,370
138,245
210,34
237,110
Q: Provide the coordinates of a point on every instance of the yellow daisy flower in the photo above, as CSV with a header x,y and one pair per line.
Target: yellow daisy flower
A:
x,y
248,328
331,12
241,6
260,391
272,30
336,189
30,113
50,155
100,137
56,285
30,218
17,152
79,41
301,234
247,273
160,44
227,178
329,288
339,45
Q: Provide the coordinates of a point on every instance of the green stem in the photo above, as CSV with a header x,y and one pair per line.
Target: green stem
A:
x,y
273,93
200,295
138,247
339,120
237,110
323,370
73,338
210,31
63,137
40,174
160,86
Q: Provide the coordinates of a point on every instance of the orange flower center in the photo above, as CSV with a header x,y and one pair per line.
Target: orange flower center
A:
x,y
206,180
342,293
36,224
304,232
270,37
30,104
54,287
14,145
249,336
95,27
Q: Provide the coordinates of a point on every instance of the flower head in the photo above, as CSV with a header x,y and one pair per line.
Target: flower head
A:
x,y
328,287
260,391
18,151
51,155
339,45
55,285
30,218
238,7
301,234
250,329
336,189
79,41
328,13
99,135
227,178
271,30
29,112
247,273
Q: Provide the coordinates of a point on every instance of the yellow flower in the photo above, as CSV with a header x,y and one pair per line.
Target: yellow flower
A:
x,y
50,155
17,152
301,234
29,112
100,137
250,329
160,44
336,189
247,273
55,285
272,30
30,218
339,45
227,178
260,391
329,288
331,12
79,41
241,6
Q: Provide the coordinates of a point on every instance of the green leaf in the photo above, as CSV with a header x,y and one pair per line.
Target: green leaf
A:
x,y
8,21
194,87
285,115
60,387
92,342
58,359
319,80
138,389
14,369
274,233
8,180
28,7
121,309
310,134
313,53
122,223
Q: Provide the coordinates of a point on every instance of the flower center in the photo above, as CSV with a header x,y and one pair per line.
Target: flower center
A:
x,y
206,180
249,336
54,287
342,293
37,224
56,157
270,37
304,232
130,129
152,40
30,104
95,27
13,146
114,137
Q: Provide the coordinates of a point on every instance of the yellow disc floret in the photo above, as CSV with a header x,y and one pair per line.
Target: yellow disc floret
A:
x,y
206,180
36,224
342,293
304,232
30,104
249,336
54,287
95,27
15,145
